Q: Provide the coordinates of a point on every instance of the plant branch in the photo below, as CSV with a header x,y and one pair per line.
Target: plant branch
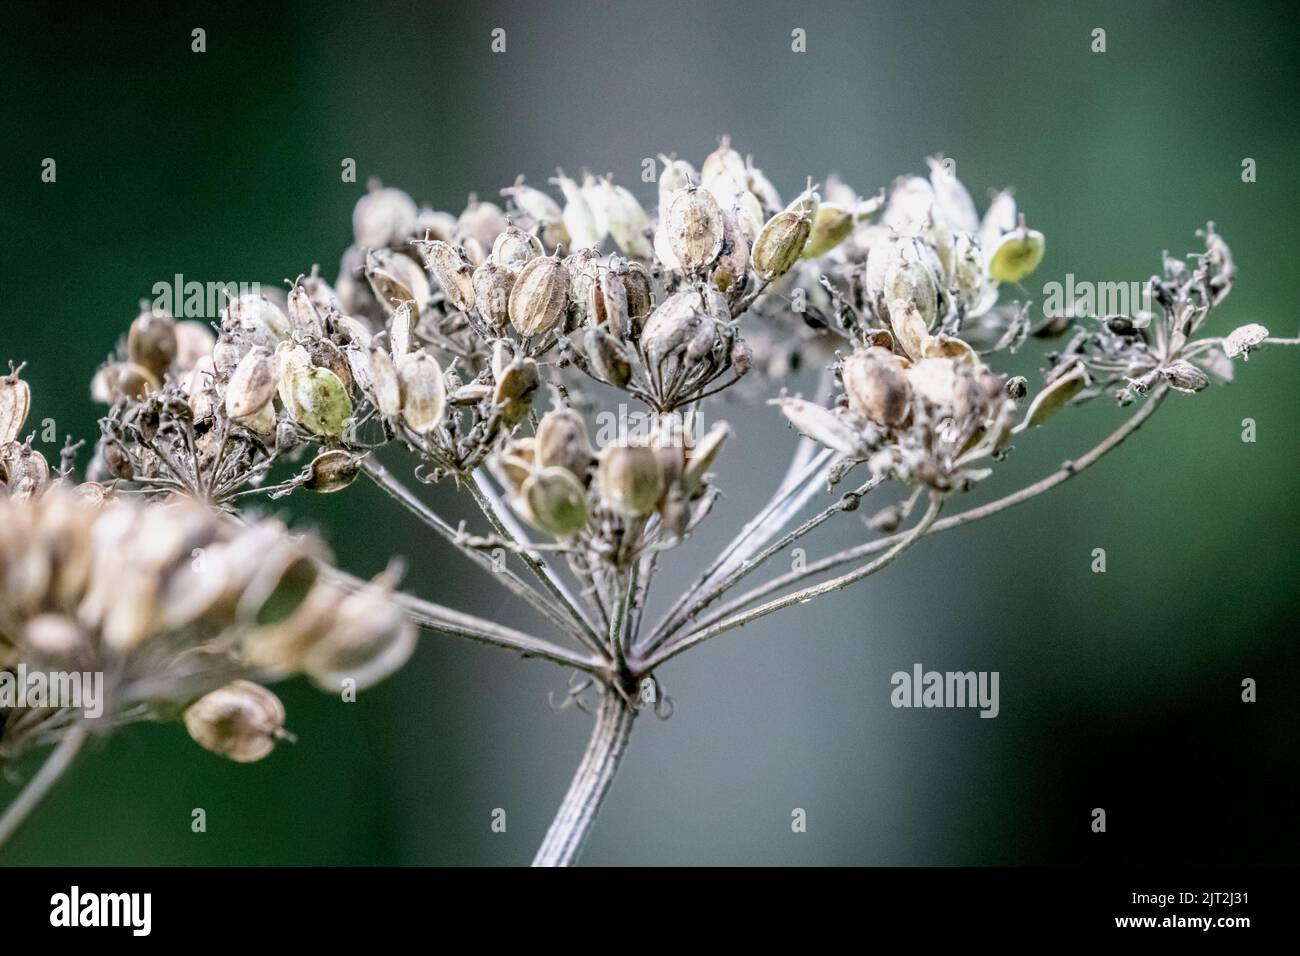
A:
x,y
403,496
500,518
803,595
436,617
750,564
577,813
1064,473
31,795
789,488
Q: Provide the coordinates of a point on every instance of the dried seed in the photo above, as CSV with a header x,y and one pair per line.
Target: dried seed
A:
x,y
1239,342
630,480
453,271
515,386
831,226
483,222
780,244
252,385
640,294
395,279
1054,397
151,341
304,318
626,221
194,342
515,248
1184,376
876,385
241,721
561,441
492,285
15,403
700,458
821,425
423,392
609,360
694,226
539,296
556,501
382,216
332,471
258,320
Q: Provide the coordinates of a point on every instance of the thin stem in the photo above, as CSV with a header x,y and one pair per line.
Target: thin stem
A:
x,y
805,594
1064,473
573,822
748,565
31,795
436,617
503,522
788,488
403,496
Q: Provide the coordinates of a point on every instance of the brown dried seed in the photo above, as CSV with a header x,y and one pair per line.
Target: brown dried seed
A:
x,y
395,279
630,480
695,227
515,388
453,271
123,380
733,261
609,361
639,293
151,341
325,354
539,296
702,456
561,441
332,471
779,245
515,248
424,394
609,305
1055,396
876,385
492,285
241,721
252,385
117,460
15,403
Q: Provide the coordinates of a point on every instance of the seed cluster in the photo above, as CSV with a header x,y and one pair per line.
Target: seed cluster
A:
x,y
173,602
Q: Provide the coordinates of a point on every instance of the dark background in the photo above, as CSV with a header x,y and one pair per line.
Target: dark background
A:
x,y
1118,690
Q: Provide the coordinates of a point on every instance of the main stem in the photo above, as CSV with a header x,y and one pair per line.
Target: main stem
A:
x,y
587,791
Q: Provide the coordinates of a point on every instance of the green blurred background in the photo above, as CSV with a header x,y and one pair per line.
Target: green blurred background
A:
x,y
1118,690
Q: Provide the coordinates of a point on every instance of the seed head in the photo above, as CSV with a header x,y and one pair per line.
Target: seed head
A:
x,y
539,296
